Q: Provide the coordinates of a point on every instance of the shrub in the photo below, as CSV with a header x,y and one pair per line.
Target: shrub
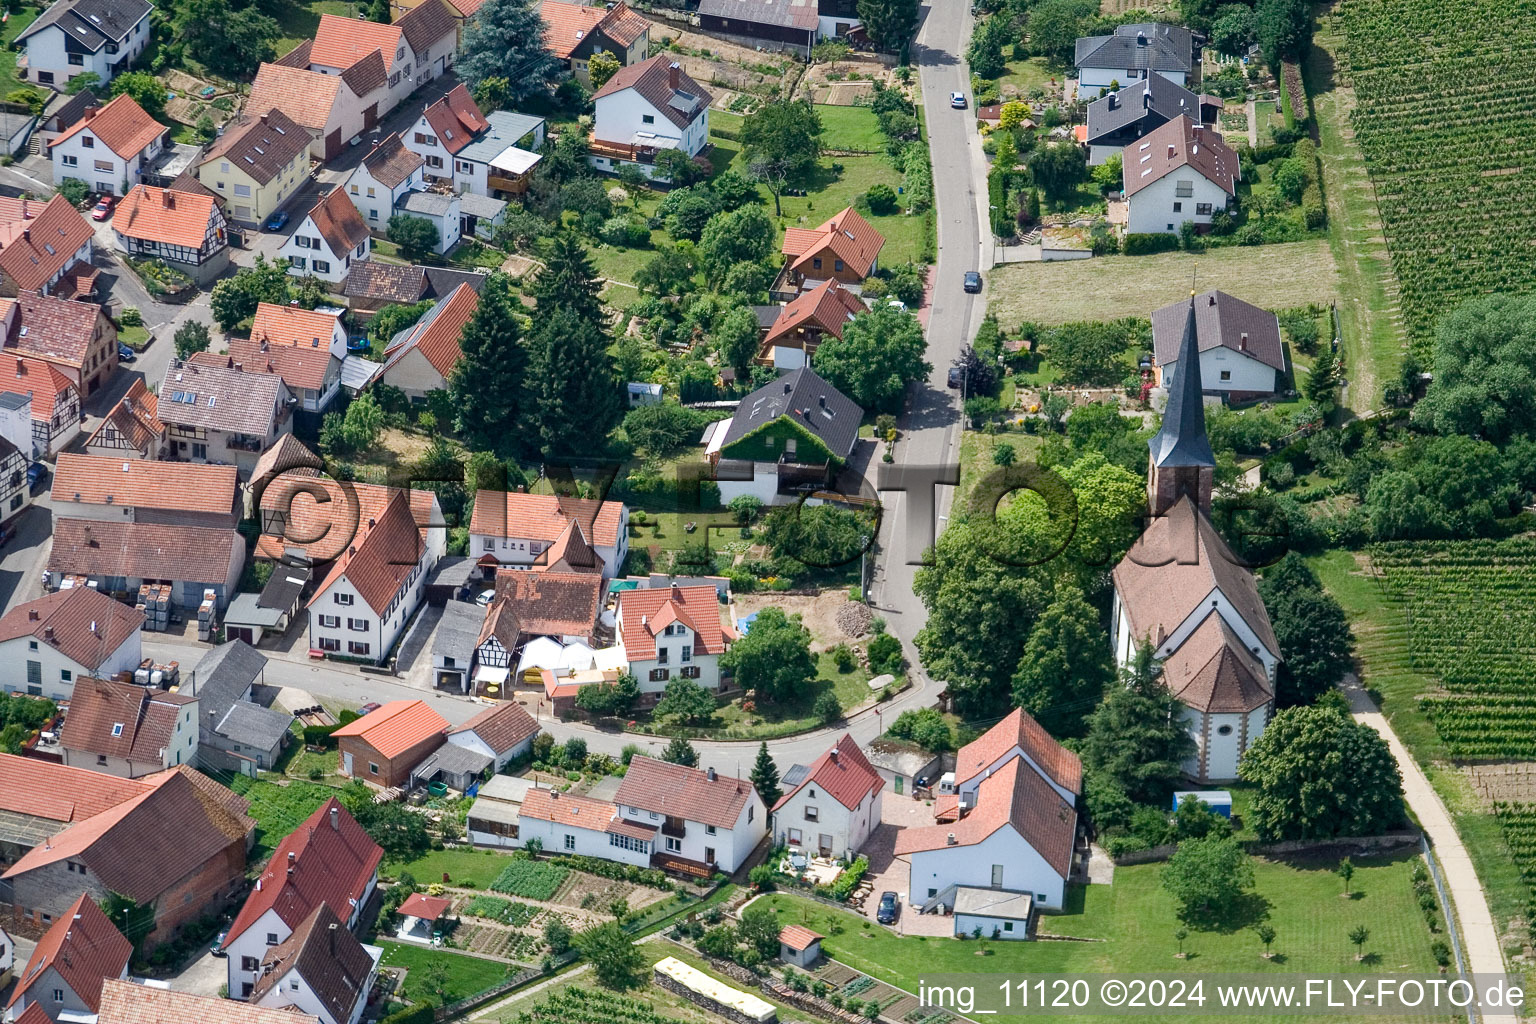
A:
x,y
1146,244
417,1013
131,317
882,198
885,655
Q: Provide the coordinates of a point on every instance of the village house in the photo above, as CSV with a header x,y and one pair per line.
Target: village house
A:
x,y
128,730
1133,53
706,821
65,975
1181,589
420,359
442,210
327,861
235,733
495,816
74,37
372,285
375,586
65,636
15,488
289,326
178,847
576,32
312,376
384,745
1241,354
1016,736
109,147
306,517
499,161
320,970
132,428
829,808
792,26
1177,174
787,439
647,108
185,229
329,107
386,62
256,165
131,1002
46,248
453,645
672,631
53,401
513,528
60,114
566,823
120,557
441,133
387,174
504,733
26,788
560,607
1123,117
845,248
137,491
78,338
222,414
798,329
328,241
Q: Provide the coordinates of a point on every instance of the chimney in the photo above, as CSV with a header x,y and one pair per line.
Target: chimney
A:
x,y
834,755
673,76
786,387
554,794
24,214
32,615
1114,101
1211,300
823,401
949,840
709,773
90,112
1170,151
165,198
1141,39
1242,343
26,234
48,633
1146,99
336,819
292,856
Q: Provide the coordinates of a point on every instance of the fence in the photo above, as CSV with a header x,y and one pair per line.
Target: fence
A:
x,y
1355,844
1448,913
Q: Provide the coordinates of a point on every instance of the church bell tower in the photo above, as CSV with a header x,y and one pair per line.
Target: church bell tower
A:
x,y
1181,461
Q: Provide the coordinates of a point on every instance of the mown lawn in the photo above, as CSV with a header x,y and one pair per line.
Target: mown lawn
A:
x,y
850,128
14,26
470,869
464,975
298,20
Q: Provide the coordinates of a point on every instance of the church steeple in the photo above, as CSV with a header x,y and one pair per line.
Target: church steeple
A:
x,y
1180,453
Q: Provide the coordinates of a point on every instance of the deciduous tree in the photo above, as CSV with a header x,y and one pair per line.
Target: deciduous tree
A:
x,y
616,961
686,701
602,66
781,142
416,236
1207,876
1066,664
191,337
227,40
774,659
889,22
879,353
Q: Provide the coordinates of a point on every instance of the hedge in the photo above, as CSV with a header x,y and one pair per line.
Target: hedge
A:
x,y
1145,244
417,1013
320,735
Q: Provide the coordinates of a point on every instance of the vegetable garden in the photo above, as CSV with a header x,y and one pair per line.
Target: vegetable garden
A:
x,y
1471,612
1446,90
590,1006
530,879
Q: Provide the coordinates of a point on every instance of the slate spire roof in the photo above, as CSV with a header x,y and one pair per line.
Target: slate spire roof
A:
x,y
1182,441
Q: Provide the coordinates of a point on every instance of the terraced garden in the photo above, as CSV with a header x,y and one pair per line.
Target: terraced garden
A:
x,y
1445,90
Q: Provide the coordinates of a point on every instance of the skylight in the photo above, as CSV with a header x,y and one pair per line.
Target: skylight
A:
x,y
117,728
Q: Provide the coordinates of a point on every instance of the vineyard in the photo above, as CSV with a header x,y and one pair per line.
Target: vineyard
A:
x,y
1471,612
1446,92
590,1006
1519,824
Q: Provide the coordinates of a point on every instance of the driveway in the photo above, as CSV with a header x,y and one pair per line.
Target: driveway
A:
x,y
204,976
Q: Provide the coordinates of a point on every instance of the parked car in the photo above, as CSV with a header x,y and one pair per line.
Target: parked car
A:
x,y
218,944
277,220
485,597
125,354
957,100
972,281
889,908
368,709
956,378
103,208
36,474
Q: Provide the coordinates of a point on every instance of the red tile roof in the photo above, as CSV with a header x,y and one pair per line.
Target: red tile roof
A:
x,y
426,24
293,325
82,623
1180,143
324,517
129,1002
644,613
342,42
37,240
122,124
541,804
455,119
549,603
428,908
544,517
566,25
299,368
843,773
796,937
1212,671
42,789
308,97
623,25
1021,730
122,720
1014,795
502,727
162,215
396,727
329,959
142,483
339,223
827,307
194,554
679,791
848,236
569,553
84,948
436,335
61,331
390,163
332,861
134,419
379,563
37,378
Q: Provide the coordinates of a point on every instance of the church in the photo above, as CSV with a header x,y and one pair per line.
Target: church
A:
x,y
1182,589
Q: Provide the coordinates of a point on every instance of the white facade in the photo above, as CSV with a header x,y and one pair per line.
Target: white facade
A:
x,y
991,927
518,551
7,957
587,842
35,667
180,749
626,116
246,949
813,822
1181,195
470,741
89,159
376,202
1227,370
1222,739
293,991
710,844
967,789
1003,860
1091,80
408,72
675,658
342,623
443,215
308,252
49,63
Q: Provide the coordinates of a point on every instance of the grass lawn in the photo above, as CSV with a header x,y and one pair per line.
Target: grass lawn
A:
x,y
1108,287
136,338
471,869
1129,928
298,20
14,26
279,810
465,975
782,718
976,457
1381,634
1028,75
850,128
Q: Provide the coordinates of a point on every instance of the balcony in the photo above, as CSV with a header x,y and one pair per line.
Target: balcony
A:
x,y
674,827
243,444
513,186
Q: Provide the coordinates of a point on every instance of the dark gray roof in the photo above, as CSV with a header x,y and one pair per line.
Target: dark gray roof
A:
x,y
223,674
1156,100
433,204
1182,441
90,24
64,111
453,759
458,630
253,725
441,281
795,776
454,571
816,405
766,315
1147,46
799,14
283,589
1221,320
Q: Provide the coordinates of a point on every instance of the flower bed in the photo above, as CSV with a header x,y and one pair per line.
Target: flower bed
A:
x,y
162,280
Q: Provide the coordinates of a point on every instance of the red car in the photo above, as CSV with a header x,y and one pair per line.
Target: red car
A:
x,y
103,208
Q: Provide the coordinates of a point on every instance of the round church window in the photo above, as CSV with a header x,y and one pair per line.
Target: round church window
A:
x,y
1225,730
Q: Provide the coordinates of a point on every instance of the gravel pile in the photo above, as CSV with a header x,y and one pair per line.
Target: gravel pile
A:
x,y
854,619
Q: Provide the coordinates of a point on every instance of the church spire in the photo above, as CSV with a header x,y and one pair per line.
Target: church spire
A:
x,y
1181,458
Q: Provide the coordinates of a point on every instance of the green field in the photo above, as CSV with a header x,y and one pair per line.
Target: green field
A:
x,y
464,976
468,869
850,128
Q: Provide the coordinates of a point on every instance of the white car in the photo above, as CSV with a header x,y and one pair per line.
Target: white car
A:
x,y
957,100
485,597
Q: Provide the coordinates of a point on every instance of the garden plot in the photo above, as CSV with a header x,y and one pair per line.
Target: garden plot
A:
x,y
590,892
